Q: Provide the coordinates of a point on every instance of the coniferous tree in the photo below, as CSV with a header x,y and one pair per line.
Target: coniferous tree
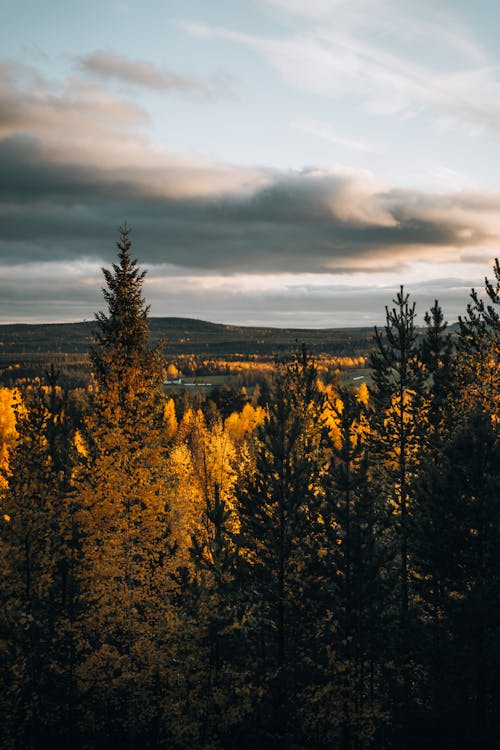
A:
x,y
479,348
437,355
278,508
350,630
457,570
122,496
456,532
396,439
37,590
398,377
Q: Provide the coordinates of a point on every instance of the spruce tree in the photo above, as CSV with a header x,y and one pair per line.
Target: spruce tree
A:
x,y
38,595
479,347
122,497
396,440
122,338
456,538
279,508
352,625
398,376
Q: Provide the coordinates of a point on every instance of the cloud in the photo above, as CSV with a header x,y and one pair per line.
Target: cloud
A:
x,y
368,51
311,220
327,133
54,291
74,164
109,65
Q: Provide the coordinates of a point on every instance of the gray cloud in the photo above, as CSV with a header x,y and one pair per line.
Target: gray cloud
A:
x,y
307,221
109,65
73,167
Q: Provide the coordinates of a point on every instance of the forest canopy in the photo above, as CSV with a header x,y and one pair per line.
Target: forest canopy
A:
x,y
312,563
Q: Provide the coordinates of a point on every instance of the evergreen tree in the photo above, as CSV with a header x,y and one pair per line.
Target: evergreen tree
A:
x,y
350,631
38,594
457,569
396,439
278,508
122,339
398,377
122,496
437,355
455,535
479,348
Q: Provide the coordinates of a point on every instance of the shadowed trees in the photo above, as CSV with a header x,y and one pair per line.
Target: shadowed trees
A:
x,y
321,571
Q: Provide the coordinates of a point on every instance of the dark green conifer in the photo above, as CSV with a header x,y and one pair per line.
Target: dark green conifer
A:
x,y
279,508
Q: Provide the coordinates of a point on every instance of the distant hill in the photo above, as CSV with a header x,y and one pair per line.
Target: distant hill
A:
x,y
185,336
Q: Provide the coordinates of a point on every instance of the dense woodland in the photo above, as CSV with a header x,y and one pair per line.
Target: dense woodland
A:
x,y
315,567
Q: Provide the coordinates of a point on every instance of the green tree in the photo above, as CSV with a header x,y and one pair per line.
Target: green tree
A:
x,y
398,424
455,533
398,376
438,358
349,633
278,508
457,571
479,348
38,595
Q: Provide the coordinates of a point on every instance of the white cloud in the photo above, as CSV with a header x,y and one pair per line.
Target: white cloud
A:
x,y
327,133
359,51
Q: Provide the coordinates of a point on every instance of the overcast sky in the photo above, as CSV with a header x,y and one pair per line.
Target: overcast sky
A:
x,y
283,162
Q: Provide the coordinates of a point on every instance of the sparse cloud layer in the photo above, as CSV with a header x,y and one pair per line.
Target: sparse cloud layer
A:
x,y
109,65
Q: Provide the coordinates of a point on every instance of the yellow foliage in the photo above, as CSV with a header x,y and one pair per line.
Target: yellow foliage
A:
x,y
80,445
201,465
10,400
332,417
240,425
191,422
363,394
172,371
170,419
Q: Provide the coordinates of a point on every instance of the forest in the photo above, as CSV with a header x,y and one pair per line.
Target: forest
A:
x,y
309,564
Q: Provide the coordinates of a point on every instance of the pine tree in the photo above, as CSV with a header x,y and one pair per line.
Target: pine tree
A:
x,y
455,533
437,355
456,538
122,339
398,423
479,348
398,377
122,495
278,508
350,631
37,577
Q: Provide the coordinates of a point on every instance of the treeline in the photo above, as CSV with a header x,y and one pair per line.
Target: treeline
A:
x,y
319,572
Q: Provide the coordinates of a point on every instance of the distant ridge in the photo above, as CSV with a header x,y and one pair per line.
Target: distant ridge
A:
x,y
183,336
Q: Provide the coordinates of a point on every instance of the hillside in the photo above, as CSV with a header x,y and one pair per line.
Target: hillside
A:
x,y
184,336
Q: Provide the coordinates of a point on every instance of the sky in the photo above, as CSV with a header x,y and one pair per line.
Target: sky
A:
x,y
279,162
